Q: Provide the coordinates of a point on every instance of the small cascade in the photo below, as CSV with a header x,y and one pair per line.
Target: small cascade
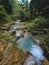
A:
x,y
37,52
27,43
14,27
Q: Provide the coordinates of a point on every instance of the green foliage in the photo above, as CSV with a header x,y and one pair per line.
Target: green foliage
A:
x,y
41,22
8,11
24,11
38,23
15,9
8,37
13,5
13,16
4,17
22,15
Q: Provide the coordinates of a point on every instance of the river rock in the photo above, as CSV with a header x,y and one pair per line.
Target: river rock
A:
x,y
30,61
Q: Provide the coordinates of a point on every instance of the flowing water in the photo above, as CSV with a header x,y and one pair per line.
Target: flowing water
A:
x,y
13,27
27,43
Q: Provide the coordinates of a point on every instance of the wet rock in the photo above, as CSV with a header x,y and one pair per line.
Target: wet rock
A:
x,y
13,33
30,61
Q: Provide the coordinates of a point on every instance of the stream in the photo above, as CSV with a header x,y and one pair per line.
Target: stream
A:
x,y
27,43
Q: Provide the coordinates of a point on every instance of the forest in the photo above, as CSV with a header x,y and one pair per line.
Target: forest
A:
x,y
24,32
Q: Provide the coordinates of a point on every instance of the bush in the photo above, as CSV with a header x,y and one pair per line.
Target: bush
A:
x,y
41,22
9,38
14,17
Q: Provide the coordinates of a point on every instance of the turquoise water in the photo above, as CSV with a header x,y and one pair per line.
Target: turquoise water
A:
x,y
25,43
17,25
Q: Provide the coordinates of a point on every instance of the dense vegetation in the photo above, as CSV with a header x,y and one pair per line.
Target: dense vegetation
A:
x,y
14,9
35,15
7,11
